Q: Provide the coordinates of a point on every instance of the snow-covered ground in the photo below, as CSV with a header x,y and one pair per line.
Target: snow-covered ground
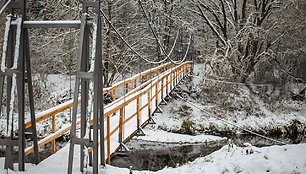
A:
x,y
176,112
229,159
287,159
156,135
235,103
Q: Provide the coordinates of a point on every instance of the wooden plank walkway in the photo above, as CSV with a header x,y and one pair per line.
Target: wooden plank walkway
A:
x,y
125,114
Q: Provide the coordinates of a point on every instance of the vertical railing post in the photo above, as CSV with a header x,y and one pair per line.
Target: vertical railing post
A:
x,y
121,125
149,101
138,112
186,68
180,73
53,131
135,82
176,75
108,138
162,88
173,78
114,94
126,87
167,84
156,93
171,74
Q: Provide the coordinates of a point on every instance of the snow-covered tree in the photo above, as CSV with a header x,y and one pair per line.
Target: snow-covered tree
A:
x,y
241,33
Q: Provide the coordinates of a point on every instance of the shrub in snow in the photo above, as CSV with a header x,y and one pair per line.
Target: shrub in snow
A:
x,y
182,111
188,127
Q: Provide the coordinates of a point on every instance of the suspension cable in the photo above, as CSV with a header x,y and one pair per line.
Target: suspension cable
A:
x,y
150,25
187,50
174,44
156,38
127,44
227,122
5,6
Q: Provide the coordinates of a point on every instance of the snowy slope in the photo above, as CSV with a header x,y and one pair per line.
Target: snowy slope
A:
x,y
275,159
232,102
288,159
168,137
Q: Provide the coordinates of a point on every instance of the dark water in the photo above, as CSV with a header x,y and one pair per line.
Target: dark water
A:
x,y
155,156
152,156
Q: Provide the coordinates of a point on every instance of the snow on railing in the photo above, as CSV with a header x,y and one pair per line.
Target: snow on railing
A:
x,y
124,116
41,116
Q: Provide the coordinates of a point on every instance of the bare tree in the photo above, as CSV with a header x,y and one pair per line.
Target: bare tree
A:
x,y
290,45
118,58
2,23
241,31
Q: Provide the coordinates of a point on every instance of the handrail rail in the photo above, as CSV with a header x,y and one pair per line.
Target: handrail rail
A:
x,y
136,94
69,104
131,79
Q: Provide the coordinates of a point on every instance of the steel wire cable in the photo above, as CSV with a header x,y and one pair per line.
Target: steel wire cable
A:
x,y
120,36
156,38
5,6
227,122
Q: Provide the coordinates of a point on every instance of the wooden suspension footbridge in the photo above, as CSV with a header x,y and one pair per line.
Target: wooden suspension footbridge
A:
x,y
99,129
125,115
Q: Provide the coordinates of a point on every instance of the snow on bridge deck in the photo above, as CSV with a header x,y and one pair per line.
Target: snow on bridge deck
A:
x,y
136,107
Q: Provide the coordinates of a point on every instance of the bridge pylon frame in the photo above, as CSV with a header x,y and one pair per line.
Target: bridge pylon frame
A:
x,y
15,73
89,70
17,59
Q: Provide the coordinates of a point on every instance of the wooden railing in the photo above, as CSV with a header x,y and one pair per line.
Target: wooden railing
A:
x,y
126,114
52,112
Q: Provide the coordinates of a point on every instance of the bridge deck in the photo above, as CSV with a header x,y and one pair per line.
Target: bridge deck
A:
x,y
122,117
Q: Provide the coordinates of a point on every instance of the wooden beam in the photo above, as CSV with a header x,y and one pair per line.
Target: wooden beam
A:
x,y
174,74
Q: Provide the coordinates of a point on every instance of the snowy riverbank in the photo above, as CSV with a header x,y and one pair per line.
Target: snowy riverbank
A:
x,y
229,159
160,136
264,109
275,159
